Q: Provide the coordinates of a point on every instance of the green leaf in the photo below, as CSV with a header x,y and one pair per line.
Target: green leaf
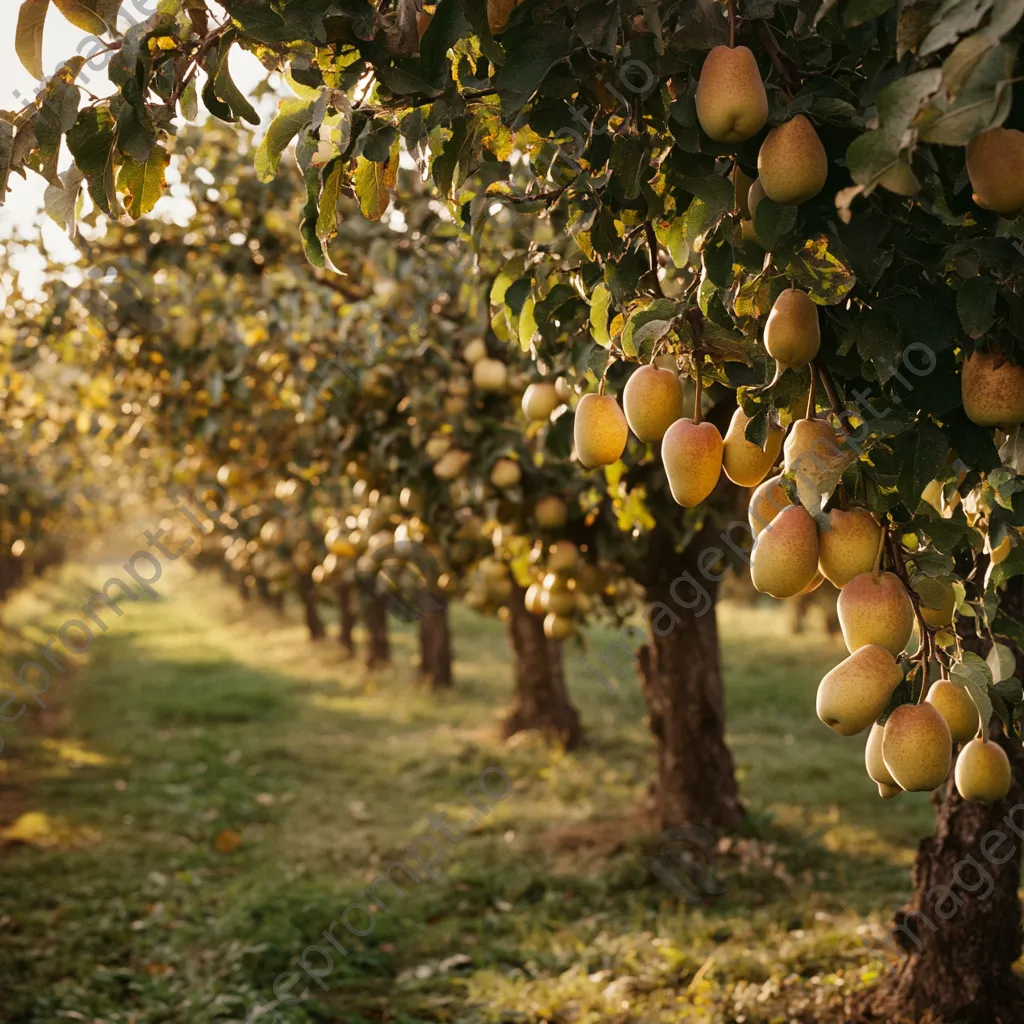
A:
x,y
58,109
647,326
91,142
976,677
6,152
224,89
773,222
28,36
94,16
333,175
1002,663
976,304
143,183
857,12
600,305
61,200
292,116
372,182
531,52
922,454
527,326
825,278
190,101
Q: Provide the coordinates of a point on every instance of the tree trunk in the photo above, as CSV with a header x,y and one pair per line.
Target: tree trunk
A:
x,y
542,700
307,595
435,642
347,618
961,932
682,681
375,616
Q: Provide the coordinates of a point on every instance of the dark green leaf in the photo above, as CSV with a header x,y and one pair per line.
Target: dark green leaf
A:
x,y
532,51
976,304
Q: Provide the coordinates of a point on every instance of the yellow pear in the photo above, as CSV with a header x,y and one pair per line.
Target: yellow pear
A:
x,y
490,374
550,512
744,462
653,401
792,164
917,748
995,165
540,401
792,334
941,616
887,792
692,456
982,771
600,431
956,707
785,555
740,190
452,464
876,611
857,690
812,586
563,556
992,390
849,548
731,102
475,351
506,473
558,627
877,771
816,457
754,195
766,503
532,600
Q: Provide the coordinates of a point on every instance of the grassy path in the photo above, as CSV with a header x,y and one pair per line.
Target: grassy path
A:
x,y
212,793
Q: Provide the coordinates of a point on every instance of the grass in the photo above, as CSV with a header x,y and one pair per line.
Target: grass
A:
x,y
211,792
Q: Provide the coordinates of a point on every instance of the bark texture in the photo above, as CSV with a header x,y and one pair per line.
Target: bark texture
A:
x,y
375,617
541,698
682,680
346,618
435,642
307,595
960,934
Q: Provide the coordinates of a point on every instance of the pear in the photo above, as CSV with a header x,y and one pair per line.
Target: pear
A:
x,y
653,401
540,401
732,105
452,464
956,707
563,556
490,374
766,503
992,390
942,616
550,512
792,334
740,190
995,165
877,771
876,611
816,457
692,456
506,473
858,690
982,771
532,600
475,351
785,555
888,792
792,164
813,585
744,462
917,748
558,602
600,431
754,195
849,548
558,627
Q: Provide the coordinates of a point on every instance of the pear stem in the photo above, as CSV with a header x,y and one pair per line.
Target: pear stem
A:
x,y
699,381
811,396
878,554
732,23
693,315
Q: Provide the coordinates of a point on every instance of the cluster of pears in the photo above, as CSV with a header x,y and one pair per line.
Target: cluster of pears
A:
x,y
732,107
563,589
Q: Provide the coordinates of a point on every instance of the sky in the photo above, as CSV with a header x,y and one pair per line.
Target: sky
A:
x,y
61,39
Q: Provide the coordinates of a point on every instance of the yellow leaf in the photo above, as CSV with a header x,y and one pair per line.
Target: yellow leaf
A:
x,y
373,180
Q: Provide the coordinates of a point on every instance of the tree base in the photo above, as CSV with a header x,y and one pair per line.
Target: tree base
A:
x,y
435,643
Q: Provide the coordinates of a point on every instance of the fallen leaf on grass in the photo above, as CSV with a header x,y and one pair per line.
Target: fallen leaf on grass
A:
x,y
227,841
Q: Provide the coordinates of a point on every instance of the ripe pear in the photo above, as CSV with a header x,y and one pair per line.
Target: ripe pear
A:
x,y
754,195
744,462
877,771
506,473
766,503
692,456
563,556
995,165
740,190
652,401
982,771
490,374
600,431
876,611
732,105
785,555
992,390
560,602
451,465
558,627
813,585
550,512
792,164
792,334
942,616
475,351
816,456
956,707
917,748
857,690
540,400
888,792
532,600
848,549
